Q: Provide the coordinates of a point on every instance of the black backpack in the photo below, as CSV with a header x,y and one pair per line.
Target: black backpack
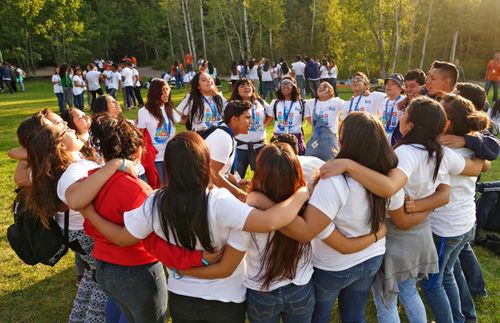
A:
x,y
488,206
31,241
207,132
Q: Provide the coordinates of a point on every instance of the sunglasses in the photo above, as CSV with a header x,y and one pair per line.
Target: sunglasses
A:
x,y
358,79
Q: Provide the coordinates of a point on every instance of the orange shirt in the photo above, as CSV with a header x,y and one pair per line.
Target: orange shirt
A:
x,y
188,59
493,71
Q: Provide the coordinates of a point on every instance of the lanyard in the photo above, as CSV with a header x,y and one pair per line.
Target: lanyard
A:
x,y
213,108
253,112
357,103
317,129
286,112
167,123
388,117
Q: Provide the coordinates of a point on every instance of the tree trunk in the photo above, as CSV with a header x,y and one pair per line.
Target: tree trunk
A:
x,y
186,25
426,35
238,35
271,43
203,30
312,25
366,61
380,42
260,39
191,33
172,54
396,28
454,47
412,38
247,35
227,36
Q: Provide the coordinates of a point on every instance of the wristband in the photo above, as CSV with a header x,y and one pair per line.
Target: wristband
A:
x,y
176,275
124,163
376,238
205,262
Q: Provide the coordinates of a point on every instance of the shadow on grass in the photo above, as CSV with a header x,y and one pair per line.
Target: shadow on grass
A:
x,y
49,300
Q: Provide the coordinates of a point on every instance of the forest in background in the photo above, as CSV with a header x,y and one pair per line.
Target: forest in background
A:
x,y
374,36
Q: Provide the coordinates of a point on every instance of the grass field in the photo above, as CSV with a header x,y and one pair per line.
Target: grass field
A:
x,y
44,294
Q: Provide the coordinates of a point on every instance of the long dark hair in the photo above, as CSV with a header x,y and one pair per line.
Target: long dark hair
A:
x,y
154,102
87,151
100,105
429,119
182,203
295,90
63,69
48,161
266,66
115,137
463,115
278,175
363,140
28,127
244,81
196,99
234,68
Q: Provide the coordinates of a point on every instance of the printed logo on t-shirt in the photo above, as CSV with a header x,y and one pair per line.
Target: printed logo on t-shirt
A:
x,y
161,134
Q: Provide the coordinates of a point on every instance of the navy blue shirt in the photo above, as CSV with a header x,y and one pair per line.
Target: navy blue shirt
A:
x,y
311,71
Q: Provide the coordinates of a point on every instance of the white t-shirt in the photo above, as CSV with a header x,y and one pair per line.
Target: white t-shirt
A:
x,y
298,68
288,116
495,119
333,72
310,167
166,77
135,73
77,90
114,80
57,87
276,72
93,80
390,114
323,70
222,149
225,213
414,163
345,202
267,75
254,248
127,77
257,131
108,74
370,104
327,112
76,171
160,135
459,215
209,118
252,73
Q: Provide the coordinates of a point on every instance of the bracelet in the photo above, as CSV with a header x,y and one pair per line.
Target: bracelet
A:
x,y
205,262
176,275
124,163
376,238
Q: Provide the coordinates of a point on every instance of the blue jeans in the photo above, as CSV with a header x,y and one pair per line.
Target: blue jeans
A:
x,y
78,101
351,286
301,85
113,312
488,86
291,302
139,291
178,81
440,289
333,82
159,168
267,87
466,301
472,271
60,102
129,96
112,92
244,159
412,303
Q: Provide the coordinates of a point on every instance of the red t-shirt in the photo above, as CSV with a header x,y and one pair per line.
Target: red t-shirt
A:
x,y
493,71
120,194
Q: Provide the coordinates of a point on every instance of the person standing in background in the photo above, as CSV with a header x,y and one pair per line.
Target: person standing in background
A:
x,y
493,76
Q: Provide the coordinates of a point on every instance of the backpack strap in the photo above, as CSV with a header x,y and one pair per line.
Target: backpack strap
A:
x,y
274,109
66,227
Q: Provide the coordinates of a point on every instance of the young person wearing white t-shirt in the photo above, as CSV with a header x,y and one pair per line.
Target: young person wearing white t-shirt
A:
x,y
235,75
288,111
363,99
204,220
453,224
128,83
323,114
298,68
137,87
78,88
249,144
107,76
267,80
203,106
92,79
423,164
390,113
333,72
323,71
222,146
278,269
115,81
158,118
253,75
58,91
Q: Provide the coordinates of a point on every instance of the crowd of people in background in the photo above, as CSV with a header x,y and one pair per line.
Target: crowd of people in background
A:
x,y
379,198
10,76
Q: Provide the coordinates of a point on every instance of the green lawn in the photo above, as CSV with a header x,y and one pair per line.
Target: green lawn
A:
x,y
43,294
